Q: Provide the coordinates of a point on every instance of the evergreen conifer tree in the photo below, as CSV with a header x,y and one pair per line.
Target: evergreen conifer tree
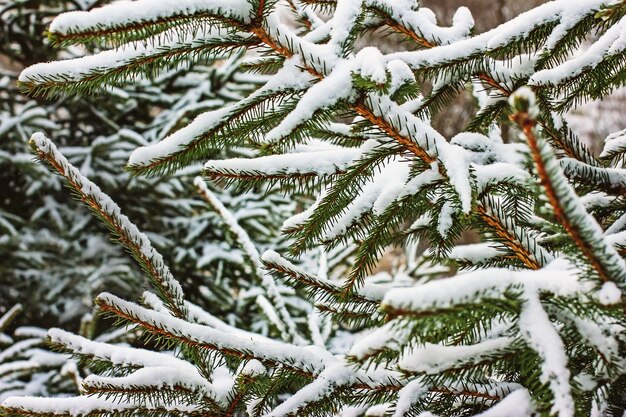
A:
x,y
536,327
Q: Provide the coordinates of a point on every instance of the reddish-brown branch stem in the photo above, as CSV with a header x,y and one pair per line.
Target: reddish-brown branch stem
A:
x,y
408,32
527,124
521,253
386,127
493,83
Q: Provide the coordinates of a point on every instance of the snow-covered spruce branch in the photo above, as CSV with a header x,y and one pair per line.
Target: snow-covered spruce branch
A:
x,y
300,359
581,227
88,75
290,332
120,226
126,23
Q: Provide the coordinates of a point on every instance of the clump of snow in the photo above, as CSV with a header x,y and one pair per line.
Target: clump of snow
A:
x,y
614,143
371,65
609,294
475,253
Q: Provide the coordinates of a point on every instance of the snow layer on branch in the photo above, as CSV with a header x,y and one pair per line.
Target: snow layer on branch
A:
x,y
164,377
376,194
516,404
456,161
122,13
117,355
516,28
371,65
333,377
609,294
392,190
424,21
329,91
178,140
309,357
90,190
614,143
540,334
454,158
81,406
201,316
415,184
299,218
401,74
612,263
613,42
446,218
475,253
433,359
325,160
389,336
494,173
558,278
81,68
409,395
615,176
344,19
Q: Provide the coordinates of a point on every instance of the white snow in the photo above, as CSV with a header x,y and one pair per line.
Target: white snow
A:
x,y
516,28
108,61
433,359
609,294
614,143
516,404
558,278
475,253
540,334
82,406
305,358
123,13
370,65
446,220
410,395
290,77
325,93
321,161
375,194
